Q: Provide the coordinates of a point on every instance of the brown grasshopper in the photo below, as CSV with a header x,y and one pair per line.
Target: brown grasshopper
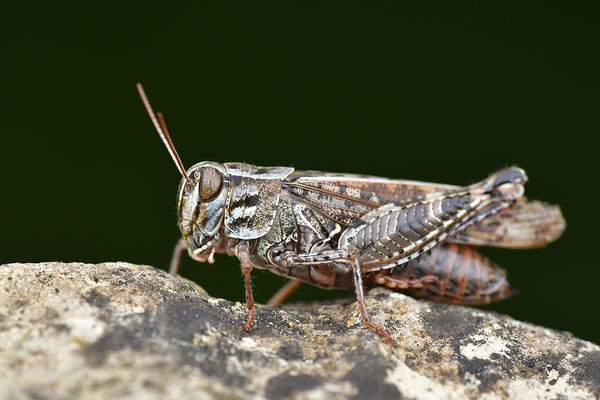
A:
x,y
344,231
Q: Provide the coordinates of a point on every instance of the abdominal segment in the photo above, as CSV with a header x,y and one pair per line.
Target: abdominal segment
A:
x,y
449,273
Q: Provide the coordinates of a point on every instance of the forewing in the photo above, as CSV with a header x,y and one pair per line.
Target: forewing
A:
x,y
346,197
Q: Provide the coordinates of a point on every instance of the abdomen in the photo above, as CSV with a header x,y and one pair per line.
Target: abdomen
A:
x,y
449,273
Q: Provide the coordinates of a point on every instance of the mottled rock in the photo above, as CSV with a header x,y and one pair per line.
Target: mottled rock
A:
x,y
118,330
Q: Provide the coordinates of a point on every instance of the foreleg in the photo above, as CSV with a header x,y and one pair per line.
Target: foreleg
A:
x,y
242,253
176,257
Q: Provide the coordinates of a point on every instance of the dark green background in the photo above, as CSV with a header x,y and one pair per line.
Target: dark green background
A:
x,y
446,94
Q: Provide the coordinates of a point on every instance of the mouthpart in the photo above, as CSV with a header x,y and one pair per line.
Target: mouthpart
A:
x,y
204,253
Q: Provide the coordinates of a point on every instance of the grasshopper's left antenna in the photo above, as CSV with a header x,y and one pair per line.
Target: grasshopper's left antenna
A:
x,y
161,128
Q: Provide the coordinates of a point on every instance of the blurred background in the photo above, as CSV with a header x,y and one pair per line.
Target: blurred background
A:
x,y
446,94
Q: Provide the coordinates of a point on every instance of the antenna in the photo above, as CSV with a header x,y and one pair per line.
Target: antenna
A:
x,y
161,128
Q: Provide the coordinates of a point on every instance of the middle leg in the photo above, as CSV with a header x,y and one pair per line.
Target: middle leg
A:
x,y
362,306
345,265
284,292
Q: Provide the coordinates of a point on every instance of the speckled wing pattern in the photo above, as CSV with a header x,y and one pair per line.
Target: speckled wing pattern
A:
x,y
345,197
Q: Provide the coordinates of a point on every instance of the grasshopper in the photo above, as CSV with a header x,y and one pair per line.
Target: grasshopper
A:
x,y
356,231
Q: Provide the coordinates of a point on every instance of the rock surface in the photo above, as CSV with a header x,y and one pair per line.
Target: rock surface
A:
x,y
118,330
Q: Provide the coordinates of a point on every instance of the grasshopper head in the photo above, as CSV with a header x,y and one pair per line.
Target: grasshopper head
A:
x,y
201,198
201,204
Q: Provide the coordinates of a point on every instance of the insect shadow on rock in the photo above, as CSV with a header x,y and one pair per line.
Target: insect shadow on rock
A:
x,y
356,231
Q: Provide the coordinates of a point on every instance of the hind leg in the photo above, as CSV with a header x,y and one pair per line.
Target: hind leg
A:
x,y
398,282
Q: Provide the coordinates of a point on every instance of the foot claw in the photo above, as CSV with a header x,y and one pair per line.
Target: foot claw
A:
x,y
250,321
386,336
379,330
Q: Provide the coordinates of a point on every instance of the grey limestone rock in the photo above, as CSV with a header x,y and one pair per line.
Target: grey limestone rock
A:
x,y
124,331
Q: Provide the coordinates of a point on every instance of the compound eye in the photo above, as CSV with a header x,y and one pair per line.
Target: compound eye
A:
x,y
210,183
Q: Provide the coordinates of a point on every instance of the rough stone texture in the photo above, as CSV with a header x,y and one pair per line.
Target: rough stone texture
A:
x,y
118,330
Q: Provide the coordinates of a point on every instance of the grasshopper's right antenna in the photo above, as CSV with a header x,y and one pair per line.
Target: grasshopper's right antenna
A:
x,y
161,128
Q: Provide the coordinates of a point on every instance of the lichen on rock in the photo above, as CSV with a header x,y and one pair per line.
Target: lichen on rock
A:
x,y
118,330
